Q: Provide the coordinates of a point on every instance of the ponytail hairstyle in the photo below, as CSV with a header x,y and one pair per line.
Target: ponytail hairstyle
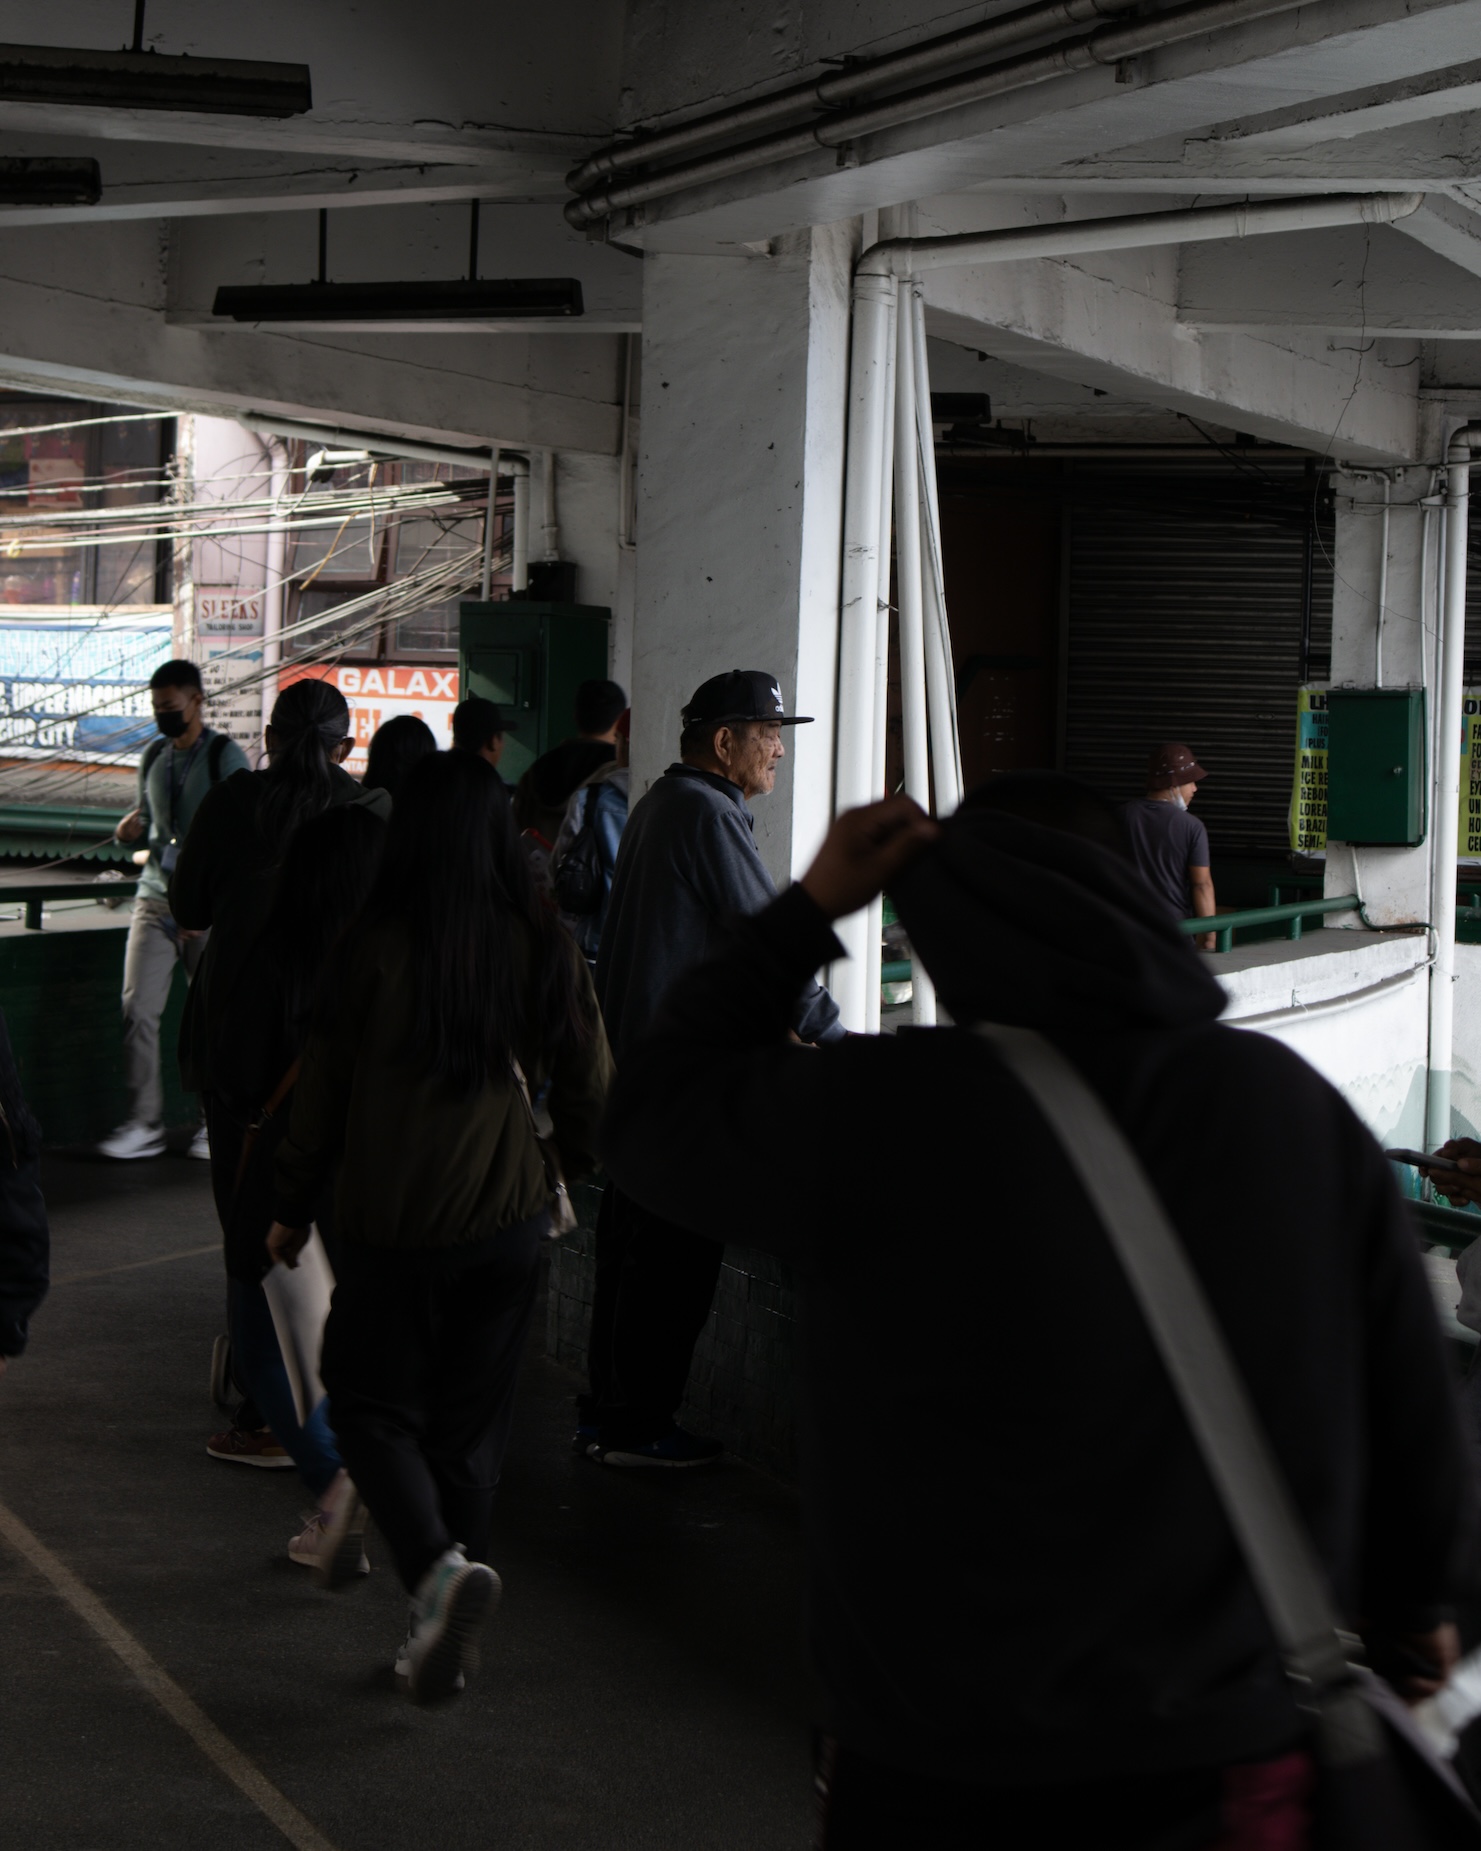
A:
x,y
493,969
310,718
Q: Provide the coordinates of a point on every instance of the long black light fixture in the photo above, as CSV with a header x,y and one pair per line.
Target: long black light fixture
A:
x,y
139,79
49,180
519,298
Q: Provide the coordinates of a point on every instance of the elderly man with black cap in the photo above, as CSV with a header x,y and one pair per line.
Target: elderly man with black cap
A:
x,y
688,864
1032,1618
1168,843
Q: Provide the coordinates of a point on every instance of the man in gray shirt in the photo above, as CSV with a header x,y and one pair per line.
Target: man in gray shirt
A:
x,y
175,772
688,863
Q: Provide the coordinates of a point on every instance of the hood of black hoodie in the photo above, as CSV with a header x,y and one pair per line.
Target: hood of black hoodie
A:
x,y
1018,923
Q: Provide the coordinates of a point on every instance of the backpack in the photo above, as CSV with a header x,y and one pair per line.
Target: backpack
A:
x,y
580,879
215,751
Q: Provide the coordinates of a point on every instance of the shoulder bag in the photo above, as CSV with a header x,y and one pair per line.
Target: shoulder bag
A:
x,y
1381,1786
562,1212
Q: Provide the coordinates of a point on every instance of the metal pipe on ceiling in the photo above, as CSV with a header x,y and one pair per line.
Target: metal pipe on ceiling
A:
x,y
855,80
1110,45
1135,231
383,442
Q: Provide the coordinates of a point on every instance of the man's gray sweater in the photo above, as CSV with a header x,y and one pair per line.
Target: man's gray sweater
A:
x,y
688,863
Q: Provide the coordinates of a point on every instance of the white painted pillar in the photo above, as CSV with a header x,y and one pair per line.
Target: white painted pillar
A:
x,y
739,506
277,567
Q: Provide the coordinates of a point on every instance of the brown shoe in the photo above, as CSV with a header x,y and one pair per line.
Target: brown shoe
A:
x,y
259,1448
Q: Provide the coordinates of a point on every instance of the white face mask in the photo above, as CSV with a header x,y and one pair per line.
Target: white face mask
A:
x,y
1177,799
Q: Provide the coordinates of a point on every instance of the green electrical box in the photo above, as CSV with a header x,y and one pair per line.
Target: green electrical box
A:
x,y
1376,769
530,658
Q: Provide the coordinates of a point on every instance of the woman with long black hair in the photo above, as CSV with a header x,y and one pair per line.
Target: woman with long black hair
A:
x,y
226,879
457,989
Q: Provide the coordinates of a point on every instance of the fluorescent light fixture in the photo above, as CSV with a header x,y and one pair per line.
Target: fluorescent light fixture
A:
x,y
59,74
506,299
49,180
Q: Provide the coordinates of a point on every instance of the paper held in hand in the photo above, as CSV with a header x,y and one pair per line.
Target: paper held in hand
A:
x,y
299,1302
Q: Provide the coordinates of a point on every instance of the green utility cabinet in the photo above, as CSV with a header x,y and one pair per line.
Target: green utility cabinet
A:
x,y
531,658
1376,766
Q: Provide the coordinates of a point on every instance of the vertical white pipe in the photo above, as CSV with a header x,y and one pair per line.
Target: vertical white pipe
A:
x,y
1383,532
858,625
486,576
277,567
946,748
910,597
1447,787
521,562
879,734
550,527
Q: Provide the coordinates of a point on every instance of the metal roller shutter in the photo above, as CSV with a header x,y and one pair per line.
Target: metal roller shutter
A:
x,y
1184,622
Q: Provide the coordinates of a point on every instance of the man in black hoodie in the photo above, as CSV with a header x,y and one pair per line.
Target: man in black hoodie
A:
x,y
1027,1609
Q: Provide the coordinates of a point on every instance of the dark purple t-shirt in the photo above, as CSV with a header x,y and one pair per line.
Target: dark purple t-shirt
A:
x,y
1165,843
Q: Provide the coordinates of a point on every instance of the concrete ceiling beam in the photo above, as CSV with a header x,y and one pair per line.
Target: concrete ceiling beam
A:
x,y
85,316
1451,228
1339,283
1334,47
1111,324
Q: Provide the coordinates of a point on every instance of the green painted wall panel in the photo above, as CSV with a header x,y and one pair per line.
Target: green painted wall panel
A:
x,y
60,993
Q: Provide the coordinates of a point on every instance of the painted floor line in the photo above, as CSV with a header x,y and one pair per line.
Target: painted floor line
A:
x,y
216,1747
132,1266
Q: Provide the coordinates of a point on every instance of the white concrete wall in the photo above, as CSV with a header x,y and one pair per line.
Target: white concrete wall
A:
x,y
1353,1004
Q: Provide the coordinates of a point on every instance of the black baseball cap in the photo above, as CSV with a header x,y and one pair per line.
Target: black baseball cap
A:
x,y
742,694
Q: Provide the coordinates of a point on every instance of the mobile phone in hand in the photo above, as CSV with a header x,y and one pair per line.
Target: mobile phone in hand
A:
x,y
1421,1161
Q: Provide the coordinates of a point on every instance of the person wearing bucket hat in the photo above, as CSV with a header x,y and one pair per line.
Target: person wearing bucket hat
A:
x,y
1028,1616
1169,844
687,864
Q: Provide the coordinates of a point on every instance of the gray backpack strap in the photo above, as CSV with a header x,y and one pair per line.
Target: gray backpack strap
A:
x,y
1290,1580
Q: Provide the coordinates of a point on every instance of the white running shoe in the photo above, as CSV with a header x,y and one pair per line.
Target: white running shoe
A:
x,y
132,1141
333,1539
200,1145
403,1660
454,1599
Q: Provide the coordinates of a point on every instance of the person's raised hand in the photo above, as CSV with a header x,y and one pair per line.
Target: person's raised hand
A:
x,y
285,1243
131,827
1466,1185
863,852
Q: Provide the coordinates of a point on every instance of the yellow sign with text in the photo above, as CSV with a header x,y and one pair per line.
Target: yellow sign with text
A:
x,y
1309,787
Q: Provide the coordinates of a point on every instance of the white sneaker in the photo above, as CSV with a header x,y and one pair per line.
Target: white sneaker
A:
x,y
333,1539
403,1660
453,1600
200,1145
132,1141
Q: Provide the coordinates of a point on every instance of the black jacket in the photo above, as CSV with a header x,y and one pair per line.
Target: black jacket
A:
x,y
1019,1568
688,863
25,1239
223,881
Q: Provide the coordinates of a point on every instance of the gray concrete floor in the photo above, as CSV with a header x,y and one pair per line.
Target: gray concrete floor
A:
x,y
643,1683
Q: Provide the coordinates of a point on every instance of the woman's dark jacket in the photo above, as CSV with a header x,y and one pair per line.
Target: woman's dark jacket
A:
x,y
222,882
421,1163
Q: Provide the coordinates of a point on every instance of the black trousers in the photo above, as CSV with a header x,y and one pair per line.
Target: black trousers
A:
x,y
421,1354
654,1286
866,1806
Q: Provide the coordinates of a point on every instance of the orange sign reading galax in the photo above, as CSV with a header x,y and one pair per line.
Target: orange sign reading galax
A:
x,y
379,691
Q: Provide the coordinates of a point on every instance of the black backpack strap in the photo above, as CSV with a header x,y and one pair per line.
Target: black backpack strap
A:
x,y
214,753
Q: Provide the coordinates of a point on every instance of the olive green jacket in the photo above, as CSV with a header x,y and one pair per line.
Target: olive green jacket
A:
x,y
420,1163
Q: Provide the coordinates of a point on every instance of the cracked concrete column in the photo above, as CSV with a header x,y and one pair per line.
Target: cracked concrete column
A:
x,y
739,504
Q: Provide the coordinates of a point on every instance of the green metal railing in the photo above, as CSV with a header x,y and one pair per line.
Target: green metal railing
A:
x,y
1225,925
33,895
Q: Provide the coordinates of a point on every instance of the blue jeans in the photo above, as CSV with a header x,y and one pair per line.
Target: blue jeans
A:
x,y
257,1364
